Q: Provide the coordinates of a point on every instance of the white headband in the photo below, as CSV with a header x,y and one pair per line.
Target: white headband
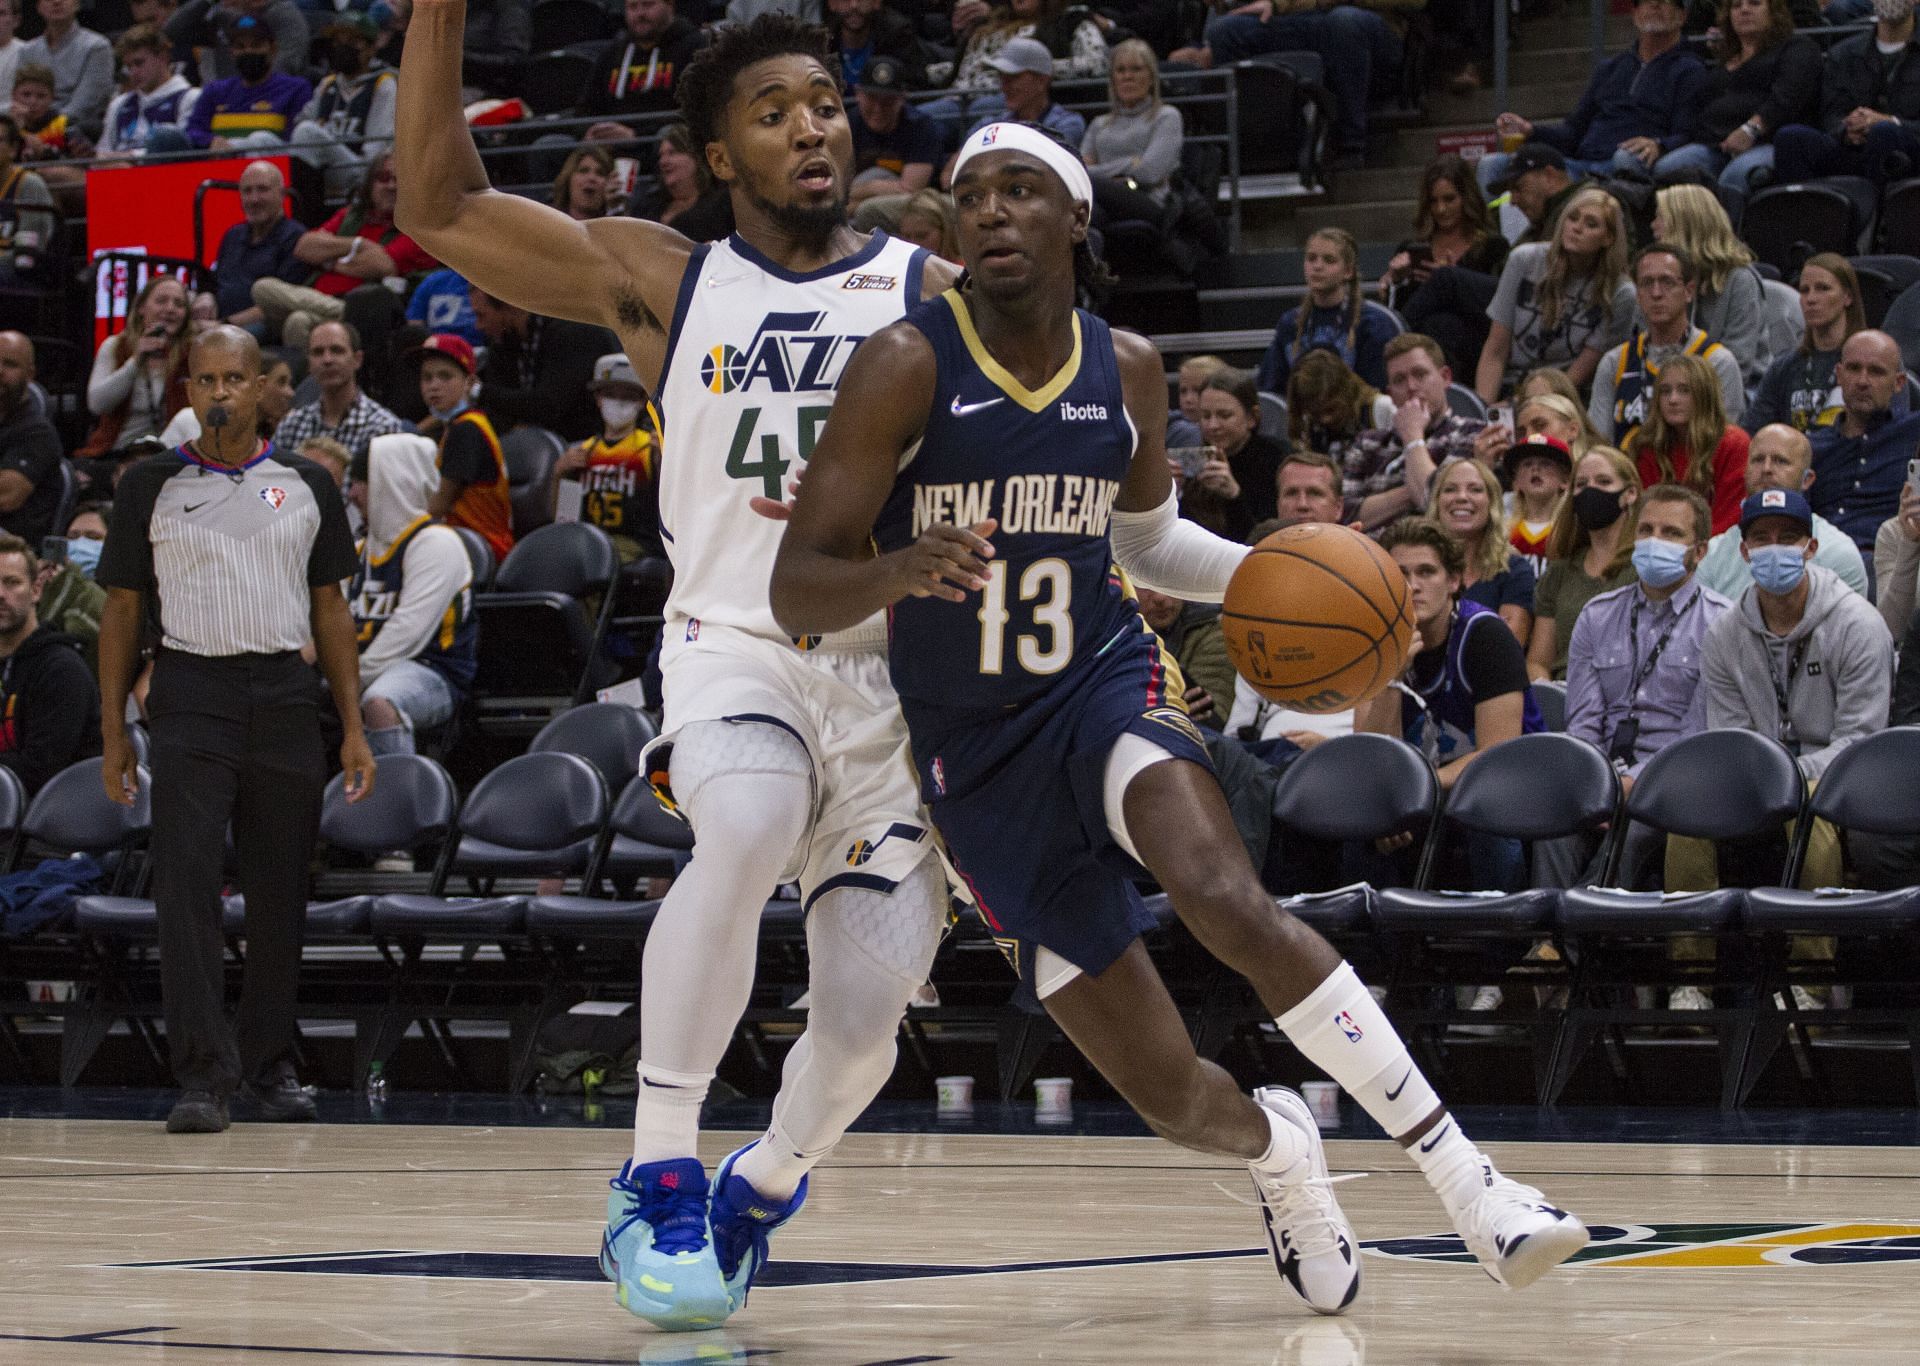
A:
x,y
1016,137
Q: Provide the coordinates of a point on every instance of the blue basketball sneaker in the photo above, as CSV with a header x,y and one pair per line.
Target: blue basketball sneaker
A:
x,y
742,1219
658,1248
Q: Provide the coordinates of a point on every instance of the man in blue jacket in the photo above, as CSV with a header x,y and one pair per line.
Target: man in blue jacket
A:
x,y
1869,107
1860,462
1637,108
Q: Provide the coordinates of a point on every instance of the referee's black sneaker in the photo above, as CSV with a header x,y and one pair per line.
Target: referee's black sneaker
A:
x,y
198,1112
280,1098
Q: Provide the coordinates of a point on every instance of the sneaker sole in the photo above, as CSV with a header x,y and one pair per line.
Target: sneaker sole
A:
x,y
1541,1252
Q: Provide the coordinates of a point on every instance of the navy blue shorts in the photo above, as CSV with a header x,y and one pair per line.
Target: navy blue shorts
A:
x,y
1018,799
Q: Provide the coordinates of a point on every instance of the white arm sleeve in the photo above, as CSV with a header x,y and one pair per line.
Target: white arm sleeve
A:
x,y
1172,556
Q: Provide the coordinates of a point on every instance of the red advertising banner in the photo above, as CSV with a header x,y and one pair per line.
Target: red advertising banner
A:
x,y
1469,146
148,211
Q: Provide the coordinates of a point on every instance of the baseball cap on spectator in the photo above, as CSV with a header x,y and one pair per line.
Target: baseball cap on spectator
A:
x,y
615,371
246,25
456,349
883,76
354,22
1788,503
1538,444
1532,156
1023,54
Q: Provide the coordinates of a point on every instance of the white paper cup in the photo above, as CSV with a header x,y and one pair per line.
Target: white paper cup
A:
x,y
1323,1098
955,1095
1053,1100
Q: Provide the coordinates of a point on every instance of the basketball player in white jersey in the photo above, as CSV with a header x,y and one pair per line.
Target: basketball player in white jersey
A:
x,y
790,759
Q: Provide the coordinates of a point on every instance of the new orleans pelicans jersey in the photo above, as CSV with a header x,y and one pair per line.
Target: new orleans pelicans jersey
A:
x,y
753,358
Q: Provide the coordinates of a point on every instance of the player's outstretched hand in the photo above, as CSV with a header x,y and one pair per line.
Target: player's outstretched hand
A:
x,y
946,562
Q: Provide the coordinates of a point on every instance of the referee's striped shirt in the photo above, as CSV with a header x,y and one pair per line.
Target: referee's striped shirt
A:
x,y
230,554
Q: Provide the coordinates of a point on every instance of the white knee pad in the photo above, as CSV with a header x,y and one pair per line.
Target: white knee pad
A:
x,y
1130,756
746,787
856,931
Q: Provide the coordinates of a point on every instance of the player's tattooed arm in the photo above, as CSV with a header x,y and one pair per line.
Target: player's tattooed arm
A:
x,y
826,577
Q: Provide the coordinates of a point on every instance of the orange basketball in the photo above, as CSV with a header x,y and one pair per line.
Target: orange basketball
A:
x,y
1317,618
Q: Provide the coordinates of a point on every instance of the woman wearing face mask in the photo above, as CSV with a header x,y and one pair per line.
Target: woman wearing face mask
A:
x,y
1242,467
1589,551
1686,439
473,488
616,469
1468,504
1799,387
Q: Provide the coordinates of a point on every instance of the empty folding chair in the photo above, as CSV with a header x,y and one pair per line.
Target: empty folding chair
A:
x,y
608,735
539,647
1717,785
1785,224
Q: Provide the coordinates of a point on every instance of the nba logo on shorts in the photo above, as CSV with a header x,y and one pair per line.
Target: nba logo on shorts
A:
x,y
693,628
1345,1020
939,776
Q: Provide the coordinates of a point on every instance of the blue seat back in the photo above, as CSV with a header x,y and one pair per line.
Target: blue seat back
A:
x,y
1718,785
1874,784
638,815
609,735
73,814
413,803
537,802
1358,787
1536,787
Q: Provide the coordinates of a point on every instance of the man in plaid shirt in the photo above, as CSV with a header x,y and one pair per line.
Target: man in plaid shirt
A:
x,y
1386,472
341,412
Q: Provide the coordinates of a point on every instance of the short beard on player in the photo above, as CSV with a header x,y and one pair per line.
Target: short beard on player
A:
x,y
809,225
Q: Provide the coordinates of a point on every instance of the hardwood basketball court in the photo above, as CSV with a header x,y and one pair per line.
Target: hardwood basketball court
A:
x,y
365,1243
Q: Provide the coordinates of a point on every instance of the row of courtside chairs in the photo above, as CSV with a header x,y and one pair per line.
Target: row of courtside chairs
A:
x,y
466,949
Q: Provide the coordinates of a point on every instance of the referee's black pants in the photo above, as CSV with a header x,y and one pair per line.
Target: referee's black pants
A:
x,y
236,740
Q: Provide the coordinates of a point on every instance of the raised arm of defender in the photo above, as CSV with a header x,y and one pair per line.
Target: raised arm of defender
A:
x,y
826,577
621,273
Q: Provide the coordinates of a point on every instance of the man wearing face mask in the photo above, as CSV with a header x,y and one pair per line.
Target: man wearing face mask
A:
x,y
350,116
1869,106
1633,668
254,108
1781,458
617,469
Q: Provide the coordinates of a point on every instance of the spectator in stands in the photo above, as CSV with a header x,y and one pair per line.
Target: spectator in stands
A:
x,y
1026,68
1861,460
639,71
1587,554
82,64
1767,78
1564,419
29,448
928,221
50,717
473,490
443,302
1779,457
1183,425
685,196
1133,149
350,116
329,455
358,246
895,146
28,218
158,13
139,373
154,97
1387,472
617,468
1442,280
1538,186
255,108
498,41
1896,562
412,600
1665,280
1729,304
1309,488
44,130
1333,317
1240,469
864,31
1359,47
1564,303
1633,668
1685,418
1869,106
1465,686
1467,504
259,247
1075,50
11,46
1638,105
276,401
209,25
1538,469
342,411
539,370
1328,405
581,189
1800,387
70,601
1191,633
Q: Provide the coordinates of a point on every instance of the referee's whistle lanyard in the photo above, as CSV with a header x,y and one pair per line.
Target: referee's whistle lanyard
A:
x,y
233,472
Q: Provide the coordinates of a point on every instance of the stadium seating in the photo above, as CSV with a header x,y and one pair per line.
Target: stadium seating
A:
x,y
539,646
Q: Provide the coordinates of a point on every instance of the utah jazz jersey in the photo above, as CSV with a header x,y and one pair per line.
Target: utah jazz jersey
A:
x,y
1046,465
753,358
453,652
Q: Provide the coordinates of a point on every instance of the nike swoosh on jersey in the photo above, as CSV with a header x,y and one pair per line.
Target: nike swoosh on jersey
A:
x,y
195,508
960,409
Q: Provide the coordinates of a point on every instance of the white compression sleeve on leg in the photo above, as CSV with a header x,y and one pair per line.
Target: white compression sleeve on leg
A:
x,y
1170,555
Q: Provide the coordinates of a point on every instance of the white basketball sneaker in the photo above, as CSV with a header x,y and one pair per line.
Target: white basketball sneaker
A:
x,y
1515,1233
1313,1244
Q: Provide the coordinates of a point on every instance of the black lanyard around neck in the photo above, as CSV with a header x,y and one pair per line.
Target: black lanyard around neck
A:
x,y
1643,670
1783,692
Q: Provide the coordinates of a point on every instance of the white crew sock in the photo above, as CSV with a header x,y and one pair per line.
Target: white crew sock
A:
x,y
666,1113
1456,1170
1285,1151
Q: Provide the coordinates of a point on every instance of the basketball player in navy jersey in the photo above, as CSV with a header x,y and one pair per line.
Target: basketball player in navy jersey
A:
x,y
1004,450
789,758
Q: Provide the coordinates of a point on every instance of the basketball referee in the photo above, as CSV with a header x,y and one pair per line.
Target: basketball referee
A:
x,y
242,549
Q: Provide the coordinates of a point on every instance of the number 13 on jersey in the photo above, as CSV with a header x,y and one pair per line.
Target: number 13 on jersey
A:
x,y
1048,584
771,468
